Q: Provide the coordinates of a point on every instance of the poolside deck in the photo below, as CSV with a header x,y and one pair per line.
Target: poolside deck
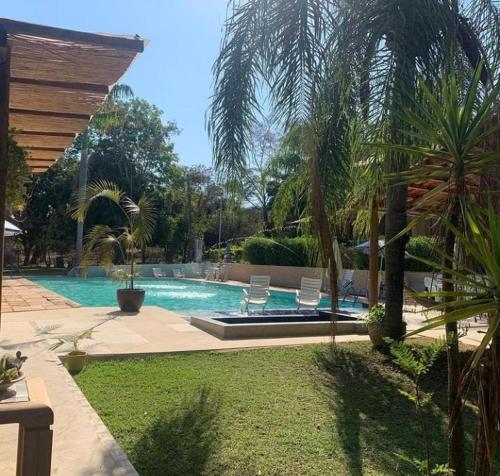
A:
x,y
20,294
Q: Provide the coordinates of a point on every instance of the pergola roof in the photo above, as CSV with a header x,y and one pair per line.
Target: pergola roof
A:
x,y
58,79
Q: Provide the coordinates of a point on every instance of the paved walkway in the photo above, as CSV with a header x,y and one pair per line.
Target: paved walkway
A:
x,y
19,294
82,444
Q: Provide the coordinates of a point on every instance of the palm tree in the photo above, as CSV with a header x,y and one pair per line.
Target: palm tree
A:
x,y
126,240
105,118
354,56
369,53
452,129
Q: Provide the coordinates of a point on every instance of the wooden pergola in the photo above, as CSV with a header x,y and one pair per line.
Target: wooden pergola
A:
x,y
52,81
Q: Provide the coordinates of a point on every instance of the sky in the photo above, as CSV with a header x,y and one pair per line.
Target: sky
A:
x,y
173,72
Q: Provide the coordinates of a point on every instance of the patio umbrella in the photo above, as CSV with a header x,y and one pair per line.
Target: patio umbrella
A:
x,y
10,229
365,248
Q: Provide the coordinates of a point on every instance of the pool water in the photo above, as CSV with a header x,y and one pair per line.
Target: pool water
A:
x,y
171,294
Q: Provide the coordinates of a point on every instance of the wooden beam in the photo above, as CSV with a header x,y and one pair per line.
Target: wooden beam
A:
x,y
50,149
4,141
134,43
62,115
43,133
93,88
38,163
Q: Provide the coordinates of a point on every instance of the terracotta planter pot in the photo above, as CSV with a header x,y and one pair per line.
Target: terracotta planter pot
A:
x,y
130,300
376,334
76,360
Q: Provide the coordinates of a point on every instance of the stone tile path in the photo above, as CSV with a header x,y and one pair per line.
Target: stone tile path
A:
x,y
19,294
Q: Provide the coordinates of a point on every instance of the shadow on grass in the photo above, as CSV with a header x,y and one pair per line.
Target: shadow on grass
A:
x,y
180,443
372,420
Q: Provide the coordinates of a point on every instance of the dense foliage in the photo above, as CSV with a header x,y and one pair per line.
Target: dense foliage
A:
x,y
418,246
18,174
299,251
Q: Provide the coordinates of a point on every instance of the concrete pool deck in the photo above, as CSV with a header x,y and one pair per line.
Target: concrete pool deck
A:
x,y
82,443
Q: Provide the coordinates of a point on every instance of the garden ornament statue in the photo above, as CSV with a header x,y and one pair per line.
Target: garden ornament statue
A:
x,y
16,362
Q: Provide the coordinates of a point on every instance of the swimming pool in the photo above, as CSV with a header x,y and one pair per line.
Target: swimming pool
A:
x,y
172,294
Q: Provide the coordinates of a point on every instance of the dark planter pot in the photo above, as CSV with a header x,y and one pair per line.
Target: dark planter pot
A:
x,y
130,300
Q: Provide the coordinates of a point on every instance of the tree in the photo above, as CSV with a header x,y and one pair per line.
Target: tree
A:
x,y
104,118
361,54
18,175
257,182
477,292
45,219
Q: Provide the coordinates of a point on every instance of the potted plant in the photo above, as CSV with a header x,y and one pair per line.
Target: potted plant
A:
x,y
10,370
123,241
374,321
76,359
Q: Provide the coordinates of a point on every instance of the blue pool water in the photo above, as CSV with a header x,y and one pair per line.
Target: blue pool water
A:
x,y
172,294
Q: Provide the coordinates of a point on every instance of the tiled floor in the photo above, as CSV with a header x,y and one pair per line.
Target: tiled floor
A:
x,y
19,294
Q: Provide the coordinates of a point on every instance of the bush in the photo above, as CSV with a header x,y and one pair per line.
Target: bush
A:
x,y
217,254
299,251
423,247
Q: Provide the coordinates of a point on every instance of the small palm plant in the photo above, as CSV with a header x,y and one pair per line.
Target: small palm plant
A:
x,y
123,241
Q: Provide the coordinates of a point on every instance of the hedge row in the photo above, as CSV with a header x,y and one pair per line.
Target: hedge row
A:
x,y
300,251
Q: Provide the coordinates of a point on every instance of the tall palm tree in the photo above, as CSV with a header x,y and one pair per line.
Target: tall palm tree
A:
x,y
103,119
369,53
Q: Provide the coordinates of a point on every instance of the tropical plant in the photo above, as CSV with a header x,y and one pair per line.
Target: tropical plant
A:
x,y
7,374
451,131
124,240
105,117
417,361
375,315
321,59
476,292
73,340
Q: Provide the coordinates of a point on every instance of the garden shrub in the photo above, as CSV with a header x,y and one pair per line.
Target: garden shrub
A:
x,y
217,254
299,251
423,247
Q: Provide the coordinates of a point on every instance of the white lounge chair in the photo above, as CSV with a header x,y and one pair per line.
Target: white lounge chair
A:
x,y
178,273
158,273
258,292
309,294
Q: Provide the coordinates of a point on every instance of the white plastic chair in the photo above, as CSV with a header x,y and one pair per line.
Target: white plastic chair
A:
x,y
309,294
158,273
178,273
258,293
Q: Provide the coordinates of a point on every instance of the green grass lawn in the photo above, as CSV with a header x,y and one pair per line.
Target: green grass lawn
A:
x,y
288,411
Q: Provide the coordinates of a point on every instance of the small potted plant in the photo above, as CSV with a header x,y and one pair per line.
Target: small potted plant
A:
x,y
10,370
124,240
374,321
76,359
